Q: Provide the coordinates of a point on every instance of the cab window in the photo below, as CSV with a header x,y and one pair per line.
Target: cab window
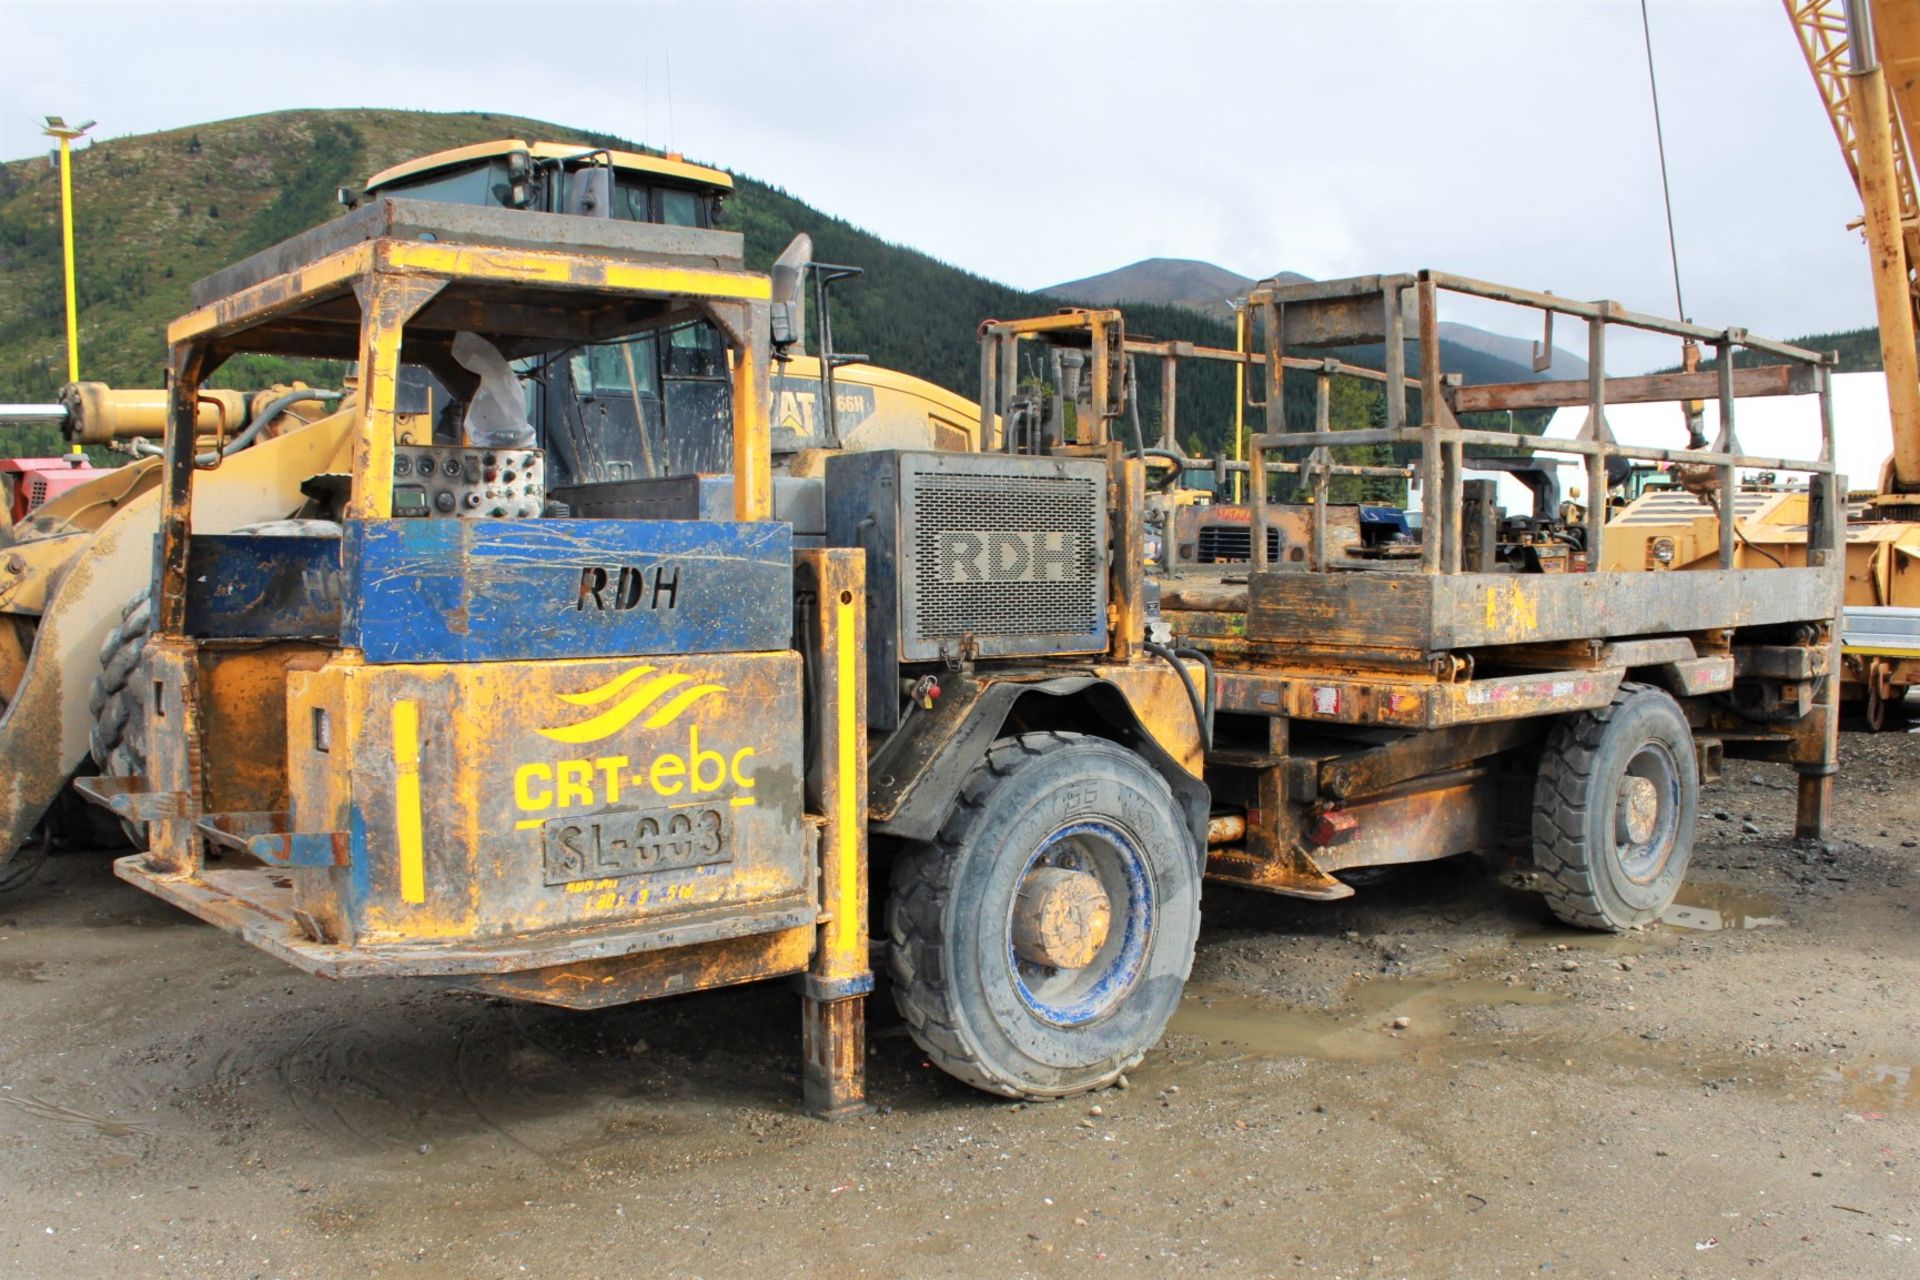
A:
x,y
680,208
696,351
481,185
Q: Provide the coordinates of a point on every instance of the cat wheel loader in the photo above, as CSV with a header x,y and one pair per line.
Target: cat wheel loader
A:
x,y
75,567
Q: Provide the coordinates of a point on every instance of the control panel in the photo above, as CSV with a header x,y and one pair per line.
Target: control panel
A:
x,y
468,483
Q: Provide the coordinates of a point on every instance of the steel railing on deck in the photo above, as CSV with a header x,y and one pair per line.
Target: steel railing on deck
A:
x,y
1372,309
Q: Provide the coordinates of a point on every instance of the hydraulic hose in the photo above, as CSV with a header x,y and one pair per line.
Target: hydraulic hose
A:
x,y
1206,665
1202,710
1173,476
273,409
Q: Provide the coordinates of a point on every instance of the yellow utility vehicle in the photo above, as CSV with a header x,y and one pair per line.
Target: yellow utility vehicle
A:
x,y
574,710
74,573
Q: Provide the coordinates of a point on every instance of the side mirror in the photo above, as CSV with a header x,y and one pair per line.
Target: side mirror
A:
x,y
519,178
592,193
789,308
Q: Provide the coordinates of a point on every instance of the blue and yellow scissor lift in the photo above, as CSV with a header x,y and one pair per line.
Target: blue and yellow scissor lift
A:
x,y
563,760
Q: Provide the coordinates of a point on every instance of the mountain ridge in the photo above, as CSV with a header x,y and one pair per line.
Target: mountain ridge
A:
x,y
1207,287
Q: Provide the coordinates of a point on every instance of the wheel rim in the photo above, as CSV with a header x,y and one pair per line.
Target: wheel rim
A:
x,y
1076,997
1646,816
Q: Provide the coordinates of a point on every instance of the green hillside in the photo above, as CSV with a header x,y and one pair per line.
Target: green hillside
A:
x,y
156,211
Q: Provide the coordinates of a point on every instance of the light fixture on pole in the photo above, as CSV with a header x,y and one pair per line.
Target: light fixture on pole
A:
x,y
57,127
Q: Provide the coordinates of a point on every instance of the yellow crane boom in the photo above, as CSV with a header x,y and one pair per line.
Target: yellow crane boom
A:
x,y
1865,60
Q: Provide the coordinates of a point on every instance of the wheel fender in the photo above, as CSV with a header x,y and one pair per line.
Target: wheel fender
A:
x,y
916,775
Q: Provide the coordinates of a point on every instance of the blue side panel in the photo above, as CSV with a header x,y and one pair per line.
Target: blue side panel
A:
x,y
254,588
490,590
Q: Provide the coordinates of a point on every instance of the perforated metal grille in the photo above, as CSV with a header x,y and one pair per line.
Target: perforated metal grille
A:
x,y
1005,555
1232,542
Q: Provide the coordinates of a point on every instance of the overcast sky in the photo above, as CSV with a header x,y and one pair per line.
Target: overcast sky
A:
x,y
1038,142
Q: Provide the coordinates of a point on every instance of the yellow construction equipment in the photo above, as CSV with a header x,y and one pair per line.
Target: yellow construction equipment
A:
x,y
73,573
575,708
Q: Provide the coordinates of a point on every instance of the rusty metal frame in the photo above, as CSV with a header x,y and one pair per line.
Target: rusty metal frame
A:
x,y
1442,439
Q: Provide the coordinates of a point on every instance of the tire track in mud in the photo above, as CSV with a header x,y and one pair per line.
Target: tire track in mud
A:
x,y
104,1142
419,1074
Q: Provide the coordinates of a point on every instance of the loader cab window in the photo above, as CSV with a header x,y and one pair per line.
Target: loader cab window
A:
x,y
635,200
656,405
480,184
681,208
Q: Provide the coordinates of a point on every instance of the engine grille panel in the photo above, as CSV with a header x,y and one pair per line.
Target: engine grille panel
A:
x,y
1232,542
999,555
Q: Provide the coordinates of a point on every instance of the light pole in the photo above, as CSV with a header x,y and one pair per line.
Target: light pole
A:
x,y
57,127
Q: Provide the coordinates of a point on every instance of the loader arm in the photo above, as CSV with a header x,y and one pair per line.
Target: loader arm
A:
x,y
44,730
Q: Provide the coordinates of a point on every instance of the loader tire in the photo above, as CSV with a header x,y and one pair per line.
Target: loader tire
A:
x,y
118,736
1084,819
1614,808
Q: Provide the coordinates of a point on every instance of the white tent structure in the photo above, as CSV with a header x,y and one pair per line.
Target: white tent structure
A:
x,y
1768,426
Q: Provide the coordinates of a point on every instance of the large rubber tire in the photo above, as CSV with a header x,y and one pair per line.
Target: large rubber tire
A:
x,y
119,734
1065,800
1607,863
118,737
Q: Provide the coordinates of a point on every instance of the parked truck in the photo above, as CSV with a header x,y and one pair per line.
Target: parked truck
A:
x,y
608,738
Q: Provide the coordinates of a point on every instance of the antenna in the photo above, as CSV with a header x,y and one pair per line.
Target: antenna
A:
x,y
670,129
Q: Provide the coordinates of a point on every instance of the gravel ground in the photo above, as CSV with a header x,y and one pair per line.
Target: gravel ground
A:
x,y
1730,1093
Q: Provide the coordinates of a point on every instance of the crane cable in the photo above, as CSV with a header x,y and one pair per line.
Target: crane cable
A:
x,y
1693,410
1660,139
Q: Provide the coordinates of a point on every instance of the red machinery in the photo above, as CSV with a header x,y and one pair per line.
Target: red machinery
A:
x,y
32,481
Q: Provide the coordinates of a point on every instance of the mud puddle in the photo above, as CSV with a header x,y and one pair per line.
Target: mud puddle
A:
x,y
1709,907
104,1126
1872,1087
23,971
1361,1029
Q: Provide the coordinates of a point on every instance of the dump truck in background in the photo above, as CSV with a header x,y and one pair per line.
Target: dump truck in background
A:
x,y
75,564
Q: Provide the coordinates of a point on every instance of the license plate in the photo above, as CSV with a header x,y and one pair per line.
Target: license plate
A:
x,y
635,842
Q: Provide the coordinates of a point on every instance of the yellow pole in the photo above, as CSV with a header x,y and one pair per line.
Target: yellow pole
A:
x,y
66,246
1240,338
60,129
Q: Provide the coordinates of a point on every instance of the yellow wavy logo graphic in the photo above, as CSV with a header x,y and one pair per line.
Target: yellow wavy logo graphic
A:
x,y
643,687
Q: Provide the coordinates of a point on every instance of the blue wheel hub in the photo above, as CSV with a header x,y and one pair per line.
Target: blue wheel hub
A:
x,y
1080,996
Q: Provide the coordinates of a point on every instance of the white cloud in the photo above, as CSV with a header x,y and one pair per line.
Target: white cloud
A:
x,y
1033,143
